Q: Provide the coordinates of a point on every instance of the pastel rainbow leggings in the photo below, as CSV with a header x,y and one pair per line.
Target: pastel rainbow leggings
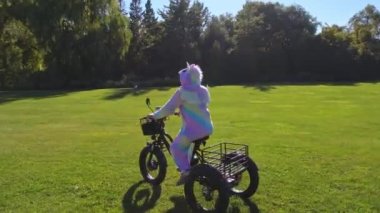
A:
x,y
182,150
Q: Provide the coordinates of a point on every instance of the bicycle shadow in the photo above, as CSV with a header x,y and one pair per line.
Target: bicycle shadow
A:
x,y
141,197
180,205
235,206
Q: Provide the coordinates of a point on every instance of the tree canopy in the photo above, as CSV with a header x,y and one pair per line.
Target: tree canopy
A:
x,y
67,44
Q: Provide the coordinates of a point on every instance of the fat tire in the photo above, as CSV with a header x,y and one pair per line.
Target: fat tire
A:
x,y
253,183
162,163
214,177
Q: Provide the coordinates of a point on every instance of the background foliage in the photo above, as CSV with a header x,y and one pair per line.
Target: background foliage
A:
x,y
102,43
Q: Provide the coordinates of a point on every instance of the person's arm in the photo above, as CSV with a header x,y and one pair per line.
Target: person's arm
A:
x,y
170,106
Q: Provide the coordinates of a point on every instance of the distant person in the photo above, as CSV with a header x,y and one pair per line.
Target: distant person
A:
x,y
192,99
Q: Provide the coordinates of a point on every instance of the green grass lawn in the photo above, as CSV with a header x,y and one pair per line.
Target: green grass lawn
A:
x,y
317,148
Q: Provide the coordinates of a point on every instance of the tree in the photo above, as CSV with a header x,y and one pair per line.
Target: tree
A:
x,y
182,27
152,34
173,45
149,21
268,36
19,45
135,16
197,19
365,29
217,46
85,41
135,50
334,55
121,5
20,55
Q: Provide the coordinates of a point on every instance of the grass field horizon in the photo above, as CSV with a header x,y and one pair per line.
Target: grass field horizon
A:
x,y
317,148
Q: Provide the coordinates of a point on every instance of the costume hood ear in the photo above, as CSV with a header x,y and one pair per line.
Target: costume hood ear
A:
x,y
191,76
195,74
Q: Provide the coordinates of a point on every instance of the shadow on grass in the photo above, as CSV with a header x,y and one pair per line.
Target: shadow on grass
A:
x,y
270,86
248,205
120,93
10,96
141,197
180,205
261,87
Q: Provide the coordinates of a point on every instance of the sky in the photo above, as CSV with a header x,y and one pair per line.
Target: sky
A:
x,y
326,11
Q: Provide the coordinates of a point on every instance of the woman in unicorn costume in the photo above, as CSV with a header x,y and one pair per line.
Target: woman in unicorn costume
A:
x,y
192,99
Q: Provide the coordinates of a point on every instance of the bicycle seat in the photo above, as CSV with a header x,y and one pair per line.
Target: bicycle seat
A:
x,y
200,141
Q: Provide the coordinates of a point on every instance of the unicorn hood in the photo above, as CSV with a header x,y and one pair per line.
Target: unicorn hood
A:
x,y
191,77
191,89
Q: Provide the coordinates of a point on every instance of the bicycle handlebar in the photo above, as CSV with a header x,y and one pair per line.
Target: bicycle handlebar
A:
x,y
147,101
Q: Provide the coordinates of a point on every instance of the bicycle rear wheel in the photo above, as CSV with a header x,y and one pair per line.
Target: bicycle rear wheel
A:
x,y
205,190
245,183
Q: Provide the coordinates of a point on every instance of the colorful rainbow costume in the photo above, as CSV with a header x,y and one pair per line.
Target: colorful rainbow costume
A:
x,y
192,99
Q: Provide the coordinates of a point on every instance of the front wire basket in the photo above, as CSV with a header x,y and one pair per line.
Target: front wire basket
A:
x,y
150,126
228,158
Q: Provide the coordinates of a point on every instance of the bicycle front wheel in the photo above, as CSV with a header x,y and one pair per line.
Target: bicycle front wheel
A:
x,y
152,165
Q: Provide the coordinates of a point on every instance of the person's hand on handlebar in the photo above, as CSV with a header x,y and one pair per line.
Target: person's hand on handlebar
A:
x,y
150,116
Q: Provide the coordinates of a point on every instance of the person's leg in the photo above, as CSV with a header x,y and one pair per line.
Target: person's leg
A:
x,y
181,150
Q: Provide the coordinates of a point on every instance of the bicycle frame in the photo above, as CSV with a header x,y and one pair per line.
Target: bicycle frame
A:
x,y
163,141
